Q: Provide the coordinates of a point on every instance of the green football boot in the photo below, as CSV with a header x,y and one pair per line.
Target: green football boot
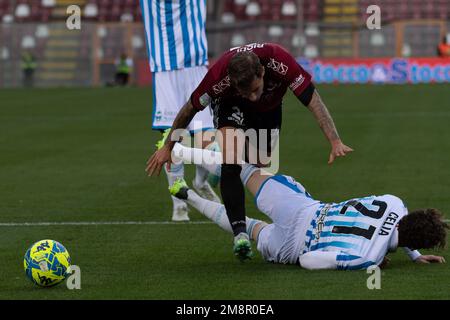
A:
x,y
242,247
161,142
179,189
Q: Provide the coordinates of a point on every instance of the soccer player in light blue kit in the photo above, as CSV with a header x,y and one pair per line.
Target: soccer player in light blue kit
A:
x,y
350,235
178,58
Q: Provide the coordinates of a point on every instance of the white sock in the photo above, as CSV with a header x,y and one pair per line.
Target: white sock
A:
x,y
176,171
212,210
201,174
209,160
216,212
247,171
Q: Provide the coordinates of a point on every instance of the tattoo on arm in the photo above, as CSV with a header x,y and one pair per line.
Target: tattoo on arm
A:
x,y
183,118
323,117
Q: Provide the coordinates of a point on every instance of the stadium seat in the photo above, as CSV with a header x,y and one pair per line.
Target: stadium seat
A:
x,y
311,51
22,11
238,40
253,10
237,10
48,3
137,42
377,39
228,17
8,18
289,10
298,40
312,30
311,11
126,17
275,31
28,42
91,10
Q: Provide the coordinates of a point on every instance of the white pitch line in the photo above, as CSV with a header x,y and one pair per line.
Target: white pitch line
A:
x,y
106,223
98,223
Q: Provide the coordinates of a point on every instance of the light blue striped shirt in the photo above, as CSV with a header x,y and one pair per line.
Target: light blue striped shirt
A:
x,y
175,33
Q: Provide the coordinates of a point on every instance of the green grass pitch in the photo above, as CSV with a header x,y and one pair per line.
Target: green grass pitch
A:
x,y
78,155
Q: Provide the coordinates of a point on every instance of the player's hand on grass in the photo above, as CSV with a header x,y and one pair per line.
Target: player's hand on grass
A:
x,y
430,259
158,159
338,149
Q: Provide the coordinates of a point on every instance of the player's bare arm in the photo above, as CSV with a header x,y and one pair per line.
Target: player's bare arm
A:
x,y
429,259
161,156
326,123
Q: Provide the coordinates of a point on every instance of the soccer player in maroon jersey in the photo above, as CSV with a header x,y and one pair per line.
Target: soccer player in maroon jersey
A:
x,y
245,88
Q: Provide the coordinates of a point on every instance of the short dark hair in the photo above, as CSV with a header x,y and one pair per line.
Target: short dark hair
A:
x,y
243,68
423,229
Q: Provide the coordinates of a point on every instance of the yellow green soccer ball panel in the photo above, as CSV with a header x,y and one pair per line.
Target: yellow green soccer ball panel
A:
x,y
46,263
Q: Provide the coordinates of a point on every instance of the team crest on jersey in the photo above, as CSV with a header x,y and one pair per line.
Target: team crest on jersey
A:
x,y
277,66
297,82
222,85
205,100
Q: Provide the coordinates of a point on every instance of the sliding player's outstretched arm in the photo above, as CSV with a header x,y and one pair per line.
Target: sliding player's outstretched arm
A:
x,y
318,260
417,257
423,228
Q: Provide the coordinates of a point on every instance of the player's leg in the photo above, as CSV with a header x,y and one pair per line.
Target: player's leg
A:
x,y
262,144
201,125
203,139
165,107
232,190
251,176
213,210
208,159
254,178
230,119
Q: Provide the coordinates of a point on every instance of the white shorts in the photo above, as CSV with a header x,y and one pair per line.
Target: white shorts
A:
x,y
171,91
291,209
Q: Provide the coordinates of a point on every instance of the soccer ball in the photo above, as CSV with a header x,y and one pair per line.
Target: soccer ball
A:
x,y
46,263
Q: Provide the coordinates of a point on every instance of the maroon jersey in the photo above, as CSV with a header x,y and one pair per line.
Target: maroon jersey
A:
x,y
281,72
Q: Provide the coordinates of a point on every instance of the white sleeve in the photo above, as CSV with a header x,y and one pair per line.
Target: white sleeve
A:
x,y
315,260
413,254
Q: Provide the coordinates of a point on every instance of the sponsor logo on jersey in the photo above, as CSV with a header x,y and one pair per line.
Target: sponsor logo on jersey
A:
x,y
248,47
158,115
237,116
222,85
320,222
297,82
277,66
